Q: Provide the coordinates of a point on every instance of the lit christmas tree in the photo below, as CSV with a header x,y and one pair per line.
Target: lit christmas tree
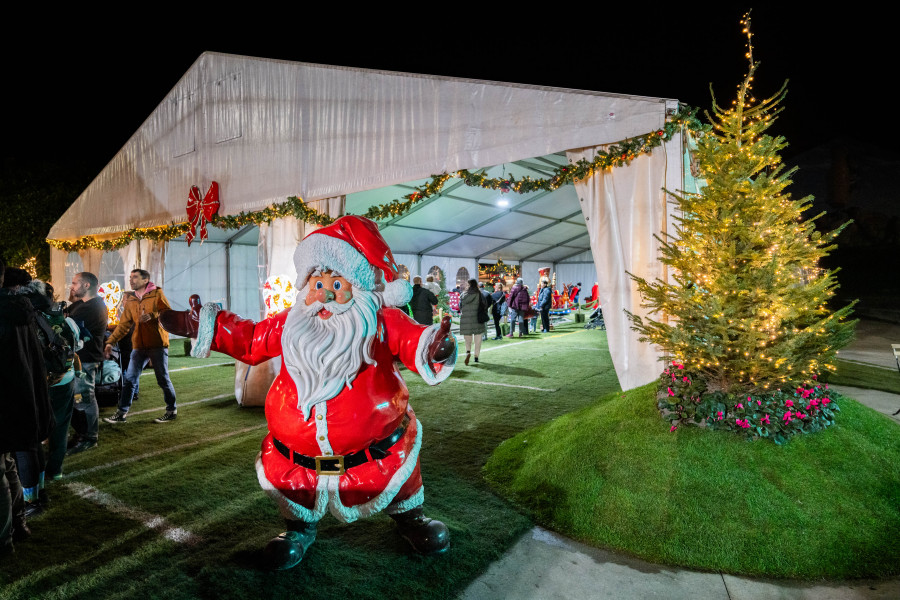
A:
x,y
747,311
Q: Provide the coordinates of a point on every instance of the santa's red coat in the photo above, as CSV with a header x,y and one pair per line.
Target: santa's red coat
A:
x,y
356,418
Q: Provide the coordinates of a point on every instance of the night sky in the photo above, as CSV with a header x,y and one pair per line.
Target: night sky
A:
x,y
76,88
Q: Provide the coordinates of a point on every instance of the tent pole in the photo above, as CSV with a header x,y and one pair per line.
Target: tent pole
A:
x,y
228,275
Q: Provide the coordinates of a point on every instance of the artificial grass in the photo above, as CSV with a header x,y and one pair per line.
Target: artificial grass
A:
x,y
825,505
197,474
870,377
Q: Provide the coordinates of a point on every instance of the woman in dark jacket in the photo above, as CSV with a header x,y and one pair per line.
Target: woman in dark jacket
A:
x,y
469,325
519,304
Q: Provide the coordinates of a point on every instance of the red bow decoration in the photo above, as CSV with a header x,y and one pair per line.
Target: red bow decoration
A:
x,y
201,212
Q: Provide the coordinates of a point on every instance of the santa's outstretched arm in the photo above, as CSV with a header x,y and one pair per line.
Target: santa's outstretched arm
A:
x,y
428,351
212,328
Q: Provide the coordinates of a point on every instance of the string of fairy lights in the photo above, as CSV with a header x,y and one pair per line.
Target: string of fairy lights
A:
x,y
615,155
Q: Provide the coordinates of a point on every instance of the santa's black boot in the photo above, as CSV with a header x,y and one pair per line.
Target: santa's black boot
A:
x,y
287,550
426,536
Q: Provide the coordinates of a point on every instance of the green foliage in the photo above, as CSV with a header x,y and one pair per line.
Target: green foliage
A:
x,y
33,196
684,400
746,310
612,475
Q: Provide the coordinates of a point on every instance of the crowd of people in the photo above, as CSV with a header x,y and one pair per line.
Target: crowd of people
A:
x,y
53,354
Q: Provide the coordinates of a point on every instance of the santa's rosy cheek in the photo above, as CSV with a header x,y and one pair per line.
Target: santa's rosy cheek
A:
x,y
311,296
343,296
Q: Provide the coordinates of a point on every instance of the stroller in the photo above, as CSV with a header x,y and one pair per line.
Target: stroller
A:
x,y
595,321
109,381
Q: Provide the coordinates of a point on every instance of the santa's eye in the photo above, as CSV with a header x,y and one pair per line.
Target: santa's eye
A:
x,y
319,285
337,285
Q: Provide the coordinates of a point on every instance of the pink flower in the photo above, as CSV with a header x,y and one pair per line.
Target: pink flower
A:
x,y
815,376
759,402
719,414
806,393
825,401
765,419
671,393
674,427
742,423
788,402
814,402
787,417
685,379
739,405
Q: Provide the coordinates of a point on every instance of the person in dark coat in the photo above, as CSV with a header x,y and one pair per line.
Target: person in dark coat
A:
x,y
498,309
422,303
25,413
545,300
519,303
471,327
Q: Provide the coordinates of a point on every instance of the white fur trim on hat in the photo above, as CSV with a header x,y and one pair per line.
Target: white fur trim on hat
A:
x,y
330,253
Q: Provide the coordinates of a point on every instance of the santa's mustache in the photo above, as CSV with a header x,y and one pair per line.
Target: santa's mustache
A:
x,y
331,306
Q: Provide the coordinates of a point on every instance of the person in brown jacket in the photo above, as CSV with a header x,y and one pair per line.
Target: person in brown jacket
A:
x,y
149,341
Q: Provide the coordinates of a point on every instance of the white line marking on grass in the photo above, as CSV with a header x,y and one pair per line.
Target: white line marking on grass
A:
x,y
148,520
524,387
179,405
150,372
581,348
132,459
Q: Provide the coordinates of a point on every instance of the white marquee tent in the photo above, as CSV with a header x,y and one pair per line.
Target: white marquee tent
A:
x,y
345,139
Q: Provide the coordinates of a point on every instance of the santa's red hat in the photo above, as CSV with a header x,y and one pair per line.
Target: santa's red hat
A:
x,y
353,247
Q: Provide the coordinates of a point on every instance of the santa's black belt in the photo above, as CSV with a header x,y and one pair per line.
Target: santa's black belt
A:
x,y
335,464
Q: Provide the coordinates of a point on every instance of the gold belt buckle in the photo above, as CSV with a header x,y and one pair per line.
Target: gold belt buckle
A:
x,y
329,465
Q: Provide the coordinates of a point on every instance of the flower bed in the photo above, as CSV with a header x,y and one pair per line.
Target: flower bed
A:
x,y
684,400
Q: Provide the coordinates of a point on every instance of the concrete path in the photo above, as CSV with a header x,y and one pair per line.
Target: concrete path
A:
x,y
544,565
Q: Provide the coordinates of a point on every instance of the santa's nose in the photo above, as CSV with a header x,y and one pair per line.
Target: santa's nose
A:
x,y
323,295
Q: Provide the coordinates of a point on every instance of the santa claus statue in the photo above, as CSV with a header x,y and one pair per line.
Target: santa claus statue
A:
x,y
342,436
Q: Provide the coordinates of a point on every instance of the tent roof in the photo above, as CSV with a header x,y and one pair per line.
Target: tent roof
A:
x,y
268,129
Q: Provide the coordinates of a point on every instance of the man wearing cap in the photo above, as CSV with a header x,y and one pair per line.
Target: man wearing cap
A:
x,y
342,436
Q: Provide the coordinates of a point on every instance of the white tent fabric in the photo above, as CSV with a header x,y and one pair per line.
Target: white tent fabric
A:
x,y
624,208
268,129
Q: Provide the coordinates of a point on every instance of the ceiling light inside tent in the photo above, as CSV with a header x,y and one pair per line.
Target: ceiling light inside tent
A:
x,y
502,201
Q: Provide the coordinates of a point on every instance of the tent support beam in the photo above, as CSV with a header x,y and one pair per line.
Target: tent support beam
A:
x,y
528,235
563,243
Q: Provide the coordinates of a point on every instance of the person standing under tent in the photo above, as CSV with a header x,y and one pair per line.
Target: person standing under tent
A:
x,y
88,310
545,300
470,327
498,309
149,342
519,304
422,303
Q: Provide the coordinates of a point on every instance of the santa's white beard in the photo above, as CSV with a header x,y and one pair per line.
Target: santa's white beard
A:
x,y
324,355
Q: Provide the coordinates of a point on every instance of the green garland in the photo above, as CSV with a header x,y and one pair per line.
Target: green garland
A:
x,y
618,154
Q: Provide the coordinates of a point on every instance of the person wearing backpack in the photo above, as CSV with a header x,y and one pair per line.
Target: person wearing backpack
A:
x,y
473,316
498,308
62,340
88,310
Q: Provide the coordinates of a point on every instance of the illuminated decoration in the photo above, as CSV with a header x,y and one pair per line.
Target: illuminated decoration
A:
x,y
500,269
278,294
617,154
746,312
31,266
111,292
200,212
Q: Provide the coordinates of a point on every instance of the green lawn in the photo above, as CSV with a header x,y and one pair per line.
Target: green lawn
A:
x,y
825,505
194,483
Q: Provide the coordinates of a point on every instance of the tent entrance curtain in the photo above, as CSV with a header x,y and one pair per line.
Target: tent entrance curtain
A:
x,y
623,209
